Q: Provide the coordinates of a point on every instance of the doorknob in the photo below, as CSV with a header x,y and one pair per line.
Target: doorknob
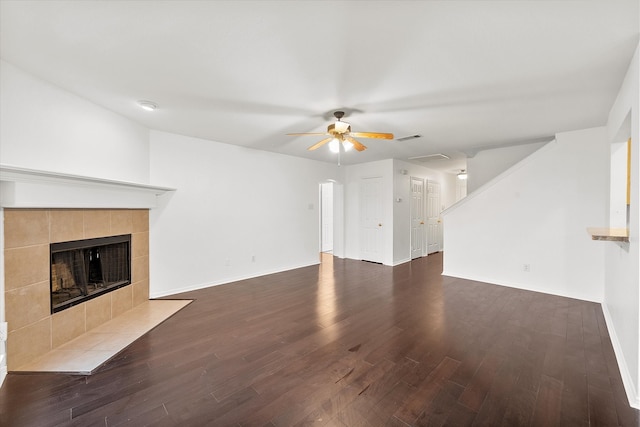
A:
x,y
421,222
379,225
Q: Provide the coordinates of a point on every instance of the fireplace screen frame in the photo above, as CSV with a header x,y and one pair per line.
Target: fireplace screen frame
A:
x,y
89,245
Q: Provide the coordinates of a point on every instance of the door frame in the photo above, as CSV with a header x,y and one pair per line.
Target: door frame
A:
x,y
438,209
338,217
377,224
412,218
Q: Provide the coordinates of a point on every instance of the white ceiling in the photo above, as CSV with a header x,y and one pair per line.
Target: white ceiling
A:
x,y
463,74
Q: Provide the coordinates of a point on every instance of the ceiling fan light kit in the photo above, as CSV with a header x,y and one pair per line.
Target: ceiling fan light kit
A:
x,y
339,132
334,145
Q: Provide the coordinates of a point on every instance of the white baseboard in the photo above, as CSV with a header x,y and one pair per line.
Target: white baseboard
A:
x,y
524,287
627,379
225,281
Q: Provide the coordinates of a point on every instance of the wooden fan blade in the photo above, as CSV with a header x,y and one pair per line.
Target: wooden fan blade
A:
x,y
372,135
320,144
358,146
312,133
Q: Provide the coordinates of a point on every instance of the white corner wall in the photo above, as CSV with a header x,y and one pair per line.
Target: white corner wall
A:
x,y
622,261
488,164
536,214
47,128
237,213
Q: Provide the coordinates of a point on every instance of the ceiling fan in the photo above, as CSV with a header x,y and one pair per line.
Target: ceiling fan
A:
x,y
340,132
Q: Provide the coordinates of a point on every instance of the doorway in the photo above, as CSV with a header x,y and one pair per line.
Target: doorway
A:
x,y
326,217
371,219
417,217
434,222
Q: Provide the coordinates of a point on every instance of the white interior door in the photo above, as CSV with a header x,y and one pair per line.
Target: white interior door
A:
x,y
417,217
371,219
434,223
326,217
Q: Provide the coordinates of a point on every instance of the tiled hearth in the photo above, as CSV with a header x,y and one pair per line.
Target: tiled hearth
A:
x,y
32,330
87,352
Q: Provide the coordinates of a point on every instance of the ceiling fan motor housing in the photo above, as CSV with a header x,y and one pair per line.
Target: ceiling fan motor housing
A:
x,y
339,128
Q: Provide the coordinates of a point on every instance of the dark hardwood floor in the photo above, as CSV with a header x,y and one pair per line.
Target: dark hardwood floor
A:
x,y
348,343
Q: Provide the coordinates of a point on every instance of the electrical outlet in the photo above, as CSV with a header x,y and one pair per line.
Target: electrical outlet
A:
x,y
227,262
253,258
3,331
526,268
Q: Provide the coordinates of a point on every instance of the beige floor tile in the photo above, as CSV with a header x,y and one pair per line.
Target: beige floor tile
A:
x,y
116,342
79,361
90,350
84,342
91,360
55,361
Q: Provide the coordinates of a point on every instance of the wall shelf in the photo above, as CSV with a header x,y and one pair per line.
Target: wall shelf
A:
x,y
29,188
609,234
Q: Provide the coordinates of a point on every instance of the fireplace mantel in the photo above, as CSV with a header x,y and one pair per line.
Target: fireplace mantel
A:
x,y
29,188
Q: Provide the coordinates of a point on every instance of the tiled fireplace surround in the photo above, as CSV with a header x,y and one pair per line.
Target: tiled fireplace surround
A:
x,y
32,329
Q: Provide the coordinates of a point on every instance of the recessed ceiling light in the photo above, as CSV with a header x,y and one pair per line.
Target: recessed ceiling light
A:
x,y
147,105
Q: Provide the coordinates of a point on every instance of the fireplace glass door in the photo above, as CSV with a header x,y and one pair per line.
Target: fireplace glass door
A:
x,y
84,269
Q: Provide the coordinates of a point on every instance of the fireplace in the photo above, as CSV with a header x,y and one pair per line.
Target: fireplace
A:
x,y
33,330
85,269
41,208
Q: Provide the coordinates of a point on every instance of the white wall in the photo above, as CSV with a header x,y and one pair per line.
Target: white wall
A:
x,y
232,204
536,213
47,128
488,164
44,127
622,261
461,189
448,189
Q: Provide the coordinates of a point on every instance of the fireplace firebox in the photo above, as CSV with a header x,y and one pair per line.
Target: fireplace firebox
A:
x,y
84,269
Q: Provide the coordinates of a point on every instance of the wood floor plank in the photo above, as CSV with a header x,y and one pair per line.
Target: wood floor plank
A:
x,y
477,389
348,343
575,401
389,403
492,410
425,392
548,403
602,410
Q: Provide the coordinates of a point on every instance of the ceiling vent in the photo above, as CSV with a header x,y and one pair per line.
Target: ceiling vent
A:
x,y
429,157
406,138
